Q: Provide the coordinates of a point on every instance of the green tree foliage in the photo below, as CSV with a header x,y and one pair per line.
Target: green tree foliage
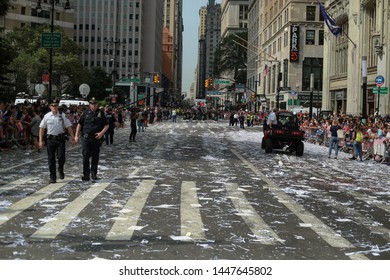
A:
x,y
32,60
6,56
230,57
4,6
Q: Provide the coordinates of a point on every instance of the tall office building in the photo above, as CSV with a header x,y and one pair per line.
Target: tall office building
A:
x,y
234,17
357,58
173,21
208,43
290,48
124,37
25,13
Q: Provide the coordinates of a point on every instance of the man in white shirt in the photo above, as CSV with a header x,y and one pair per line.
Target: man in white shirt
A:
x,y
55,122
271,121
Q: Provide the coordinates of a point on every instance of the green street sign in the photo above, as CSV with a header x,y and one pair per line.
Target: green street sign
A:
x,y
383,90
222,81
51,40
130,80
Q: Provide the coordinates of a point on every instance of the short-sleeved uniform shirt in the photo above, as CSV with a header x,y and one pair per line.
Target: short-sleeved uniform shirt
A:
x,y
55,124
92,122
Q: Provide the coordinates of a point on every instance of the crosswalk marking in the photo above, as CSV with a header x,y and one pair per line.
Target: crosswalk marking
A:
x,y
191,220
27,202
58,223
123,228
14,184
326,233
257,225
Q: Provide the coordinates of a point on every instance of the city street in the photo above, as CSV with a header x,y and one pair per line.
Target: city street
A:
x,y
195,190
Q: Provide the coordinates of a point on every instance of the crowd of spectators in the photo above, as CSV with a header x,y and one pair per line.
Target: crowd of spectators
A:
x,y
19,124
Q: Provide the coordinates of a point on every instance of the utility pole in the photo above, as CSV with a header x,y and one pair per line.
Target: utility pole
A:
x,y
311,95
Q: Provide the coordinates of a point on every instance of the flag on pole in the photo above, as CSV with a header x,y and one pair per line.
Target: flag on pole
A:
x,y
266,70
335,29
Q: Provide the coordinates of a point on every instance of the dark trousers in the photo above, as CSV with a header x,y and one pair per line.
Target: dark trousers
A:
x,y
109,136
91,149
133,132
55,147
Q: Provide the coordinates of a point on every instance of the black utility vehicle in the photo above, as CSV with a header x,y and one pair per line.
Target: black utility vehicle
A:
x,y
285,136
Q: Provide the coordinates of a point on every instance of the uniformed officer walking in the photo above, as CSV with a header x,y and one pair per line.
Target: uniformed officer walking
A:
x,y
55,122
91,127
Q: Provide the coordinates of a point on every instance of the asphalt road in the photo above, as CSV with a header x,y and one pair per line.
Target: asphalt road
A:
x,y
192,190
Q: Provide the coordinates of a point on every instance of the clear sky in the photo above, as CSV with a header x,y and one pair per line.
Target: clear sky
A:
x,y
190,42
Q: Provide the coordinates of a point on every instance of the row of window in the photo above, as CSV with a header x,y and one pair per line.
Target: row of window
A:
x,y
92,39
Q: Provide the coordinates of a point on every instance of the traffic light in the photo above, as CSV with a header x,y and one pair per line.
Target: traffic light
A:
x,y
156,79
211,82
253,96
207,83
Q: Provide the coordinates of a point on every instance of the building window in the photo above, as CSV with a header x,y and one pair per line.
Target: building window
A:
x,y
321,37
310,37
312,65
310,13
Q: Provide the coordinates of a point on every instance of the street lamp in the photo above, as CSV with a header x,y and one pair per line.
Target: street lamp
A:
x,y
364,77
39,10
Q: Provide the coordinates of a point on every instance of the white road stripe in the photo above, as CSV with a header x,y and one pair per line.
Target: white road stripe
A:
x,y
325,232
27,202
190,218
14,184
256,224
58,223
123,228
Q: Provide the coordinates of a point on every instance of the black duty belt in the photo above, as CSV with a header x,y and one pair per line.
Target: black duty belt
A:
x,y
59,137
89,136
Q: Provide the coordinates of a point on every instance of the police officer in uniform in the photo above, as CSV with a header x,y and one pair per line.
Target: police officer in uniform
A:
x,y
55,122
92,126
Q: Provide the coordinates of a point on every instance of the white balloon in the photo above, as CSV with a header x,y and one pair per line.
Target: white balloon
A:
x,y
84,90
39,88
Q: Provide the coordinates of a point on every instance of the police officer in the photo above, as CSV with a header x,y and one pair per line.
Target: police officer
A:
x,y
111,128
55,122
92,126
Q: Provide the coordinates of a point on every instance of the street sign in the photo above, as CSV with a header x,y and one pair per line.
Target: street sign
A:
x,y
381,90
130,80
222,81
293,93
379,80
51,40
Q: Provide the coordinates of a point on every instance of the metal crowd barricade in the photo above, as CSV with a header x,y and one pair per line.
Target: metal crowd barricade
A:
x,y
12,134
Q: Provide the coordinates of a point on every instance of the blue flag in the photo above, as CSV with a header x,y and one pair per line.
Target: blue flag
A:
x,y
335,29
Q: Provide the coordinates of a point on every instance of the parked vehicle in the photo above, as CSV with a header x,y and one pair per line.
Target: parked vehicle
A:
x,y
73,102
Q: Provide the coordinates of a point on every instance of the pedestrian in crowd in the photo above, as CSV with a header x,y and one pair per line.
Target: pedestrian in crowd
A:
x,y
133,125
109,135
334,139
55,122
174,115
92,126
231,119
120,119
272,120
235,118
151,116
35,122
241,119
357,143
140,122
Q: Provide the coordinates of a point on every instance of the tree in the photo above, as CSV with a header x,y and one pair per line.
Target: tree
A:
x,y
230,57
32,60
6,56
